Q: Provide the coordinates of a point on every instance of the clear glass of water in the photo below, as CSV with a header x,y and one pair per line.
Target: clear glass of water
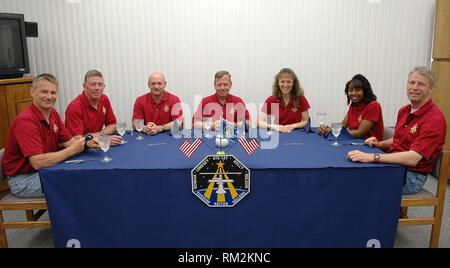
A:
x,y
139,125
336,130
105,142
207,125
121,129
321,118
270,121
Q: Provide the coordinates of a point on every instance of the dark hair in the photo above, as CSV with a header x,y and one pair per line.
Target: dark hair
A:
x,y
359,81
297,90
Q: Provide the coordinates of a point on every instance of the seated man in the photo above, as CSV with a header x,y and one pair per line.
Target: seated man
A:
x,y
34,138
91,111
419,133
222,104
158,108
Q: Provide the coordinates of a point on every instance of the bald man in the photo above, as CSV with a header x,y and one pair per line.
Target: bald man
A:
x,y
158,108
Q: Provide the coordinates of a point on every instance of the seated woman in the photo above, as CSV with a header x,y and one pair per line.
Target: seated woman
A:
x,y
364,118
287,105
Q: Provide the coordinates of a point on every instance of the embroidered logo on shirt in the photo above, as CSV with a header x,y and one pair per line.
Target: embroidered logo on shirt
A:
x,y
294,109
414,129
166,108
104,110
55,128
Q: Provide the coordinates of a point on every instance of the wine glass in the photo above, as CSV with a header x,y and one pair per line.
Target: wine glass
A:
x,y
270,121
207,124
121,129
139,125
336,130
321,118
105,142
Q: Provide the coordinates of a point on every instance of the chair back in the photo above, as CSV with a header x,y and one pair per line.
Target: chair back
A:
x,y
388,132
9,202
426,198
437,166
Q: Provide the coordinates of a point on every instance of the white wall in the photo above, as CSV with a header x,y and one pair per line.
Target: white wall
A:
x,y
325,41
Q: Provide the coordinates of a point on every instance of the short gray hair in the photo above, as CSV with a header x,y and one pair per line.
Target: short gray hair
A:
x,y
92,73
424,71
45,76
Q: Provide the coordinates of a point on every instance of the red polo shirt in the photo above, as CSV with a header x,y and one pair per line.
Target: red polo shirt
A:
x,y
29,135
83,118
159,113
366,111
234,109
422,132
288,114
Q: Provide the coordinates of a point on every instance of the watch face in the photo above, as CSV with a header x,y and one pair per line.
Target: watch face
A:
x,y
88,137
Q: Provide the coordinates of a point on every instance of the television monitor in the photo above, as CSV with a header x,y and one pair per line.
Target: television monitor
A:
x,y
13,46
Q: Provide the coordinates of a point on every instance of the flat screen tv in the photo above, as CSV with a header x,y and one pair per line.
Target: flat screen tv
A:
x,y
13,46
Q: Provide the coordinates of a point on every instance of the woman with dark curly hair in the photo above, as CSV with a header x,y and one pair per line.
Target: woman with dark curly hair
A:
x,y
364,118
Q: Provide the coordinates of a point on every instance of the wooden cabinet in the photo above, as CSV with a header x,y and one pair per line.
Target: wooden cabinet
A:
x,y
14,97
441,66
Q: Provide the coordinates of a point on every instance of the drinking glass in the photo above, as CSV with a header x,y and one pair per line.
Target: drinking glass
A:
x,y
207,124
336,130
240,129
321,118
105,142
270,121
139,125
121,129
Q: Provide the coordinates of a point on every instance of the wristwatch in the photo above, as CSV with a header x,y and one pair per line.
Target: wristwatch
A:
x,y
87,138
376,158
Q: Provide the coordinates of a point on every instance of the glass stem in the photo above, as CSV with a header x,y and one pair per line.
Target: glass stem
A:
x,y
105,156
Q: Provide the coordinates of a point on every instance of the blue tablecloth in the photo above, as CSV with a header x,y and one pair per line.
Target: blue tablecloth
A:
x,y
304,193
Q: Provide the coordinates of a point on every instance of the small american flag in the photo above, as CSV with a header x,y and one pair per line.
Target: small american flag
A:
x,y
249,146
189,149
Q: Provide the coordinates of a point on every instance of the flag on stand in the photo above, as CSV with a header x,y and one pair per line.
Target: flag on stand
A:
x,y
188,148
308,127
249,146
227,129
